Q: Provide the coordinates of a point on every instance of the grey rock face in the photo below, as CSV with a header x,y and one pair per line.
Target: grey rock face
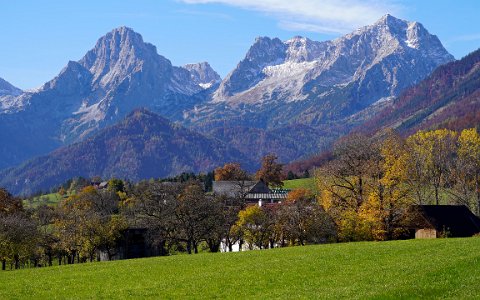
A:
x,y
315,83
7,89
203,74
248,73
119,74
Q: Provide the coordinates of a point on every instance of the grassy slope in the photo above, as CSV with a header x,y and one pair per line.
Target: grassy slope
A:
x,y
307,183
48,199
447,268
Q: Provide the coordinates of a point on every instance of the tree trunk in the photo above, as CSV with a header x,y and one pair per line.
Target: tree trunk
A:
x,y
17,261
163,251
360,191
189,247
213,245
195,247
4,264
436,195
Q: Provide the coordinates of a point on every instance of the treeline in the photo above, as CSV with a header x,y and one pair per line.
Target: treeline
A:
x,y
178,217
365,192
371,183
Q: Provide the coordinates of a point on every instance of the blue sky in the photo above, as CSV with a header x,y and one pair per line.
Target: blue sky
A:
x,y
40,37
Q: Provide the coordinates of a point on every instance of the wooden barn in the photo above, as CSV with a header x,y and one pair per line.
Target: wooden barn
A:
x,y
433,221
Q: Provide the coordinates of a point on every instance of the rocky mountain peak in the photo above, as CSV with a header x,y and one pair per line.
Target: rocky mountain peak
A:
x,y
266,50
7,89
203,74
346,74
390,21
302,49
118,54
73,79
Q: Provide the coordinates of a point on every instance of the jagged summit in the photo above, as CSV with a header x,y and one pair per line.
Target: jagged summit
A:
x,y
120,73
203,74
394,51
119,53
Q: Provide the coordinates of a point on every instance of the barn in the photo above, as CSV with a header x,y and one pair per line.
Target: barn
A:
x,y
433,221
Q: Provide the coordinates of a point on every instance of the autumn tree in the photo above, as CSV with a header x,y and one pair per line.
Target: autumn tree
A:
x,y
154,207
300,220
17,231
270,171
363,187
18,235
8,203
467,179
230,234
396,195
230,172
256,226
89,221
433,153
44,217
198,216
356,159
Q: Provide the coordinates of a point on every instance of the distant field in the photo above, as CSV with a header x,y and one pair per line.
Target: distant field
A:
x,y
442,268
48,199
307,183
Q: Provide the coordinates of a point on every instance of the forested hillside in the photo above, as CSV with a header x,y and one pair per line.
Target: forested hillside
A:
x,y
448,98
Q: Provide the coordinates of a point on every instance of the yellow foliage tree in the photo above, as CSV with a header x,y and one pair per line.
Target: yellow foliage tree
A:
x,y
468,167
433,152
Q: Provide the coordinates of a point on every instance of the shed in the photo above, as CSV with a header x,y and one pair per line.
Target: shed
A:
x,y
432,221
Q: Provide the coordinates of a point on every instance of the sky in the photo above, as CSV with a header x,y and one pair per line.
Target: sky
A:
x,y
38,38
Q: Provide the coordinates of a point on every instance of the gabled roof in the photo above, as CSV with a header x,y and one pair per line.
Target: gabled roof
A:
x,y
233,188
457,220
251,190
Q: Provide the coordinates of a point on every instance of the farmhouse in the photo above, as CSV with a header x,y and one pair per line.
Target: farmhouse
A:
x,y
432,221
251,191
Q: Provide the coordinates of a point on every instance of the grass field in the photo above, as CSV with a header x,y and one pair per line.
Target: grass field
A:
x,y
442,268
49,199
307,183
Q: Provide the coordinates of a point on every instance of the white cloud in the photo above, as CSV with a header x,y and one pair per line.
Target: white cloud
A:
x,y
326,16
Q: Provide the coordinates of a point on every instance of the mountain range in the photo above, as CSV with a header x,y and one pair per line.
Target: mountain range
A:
x,y
143,145
291,97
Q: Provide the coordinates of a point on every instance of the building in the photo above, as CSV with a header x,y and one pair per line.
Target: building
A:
x,y
433,221
251,191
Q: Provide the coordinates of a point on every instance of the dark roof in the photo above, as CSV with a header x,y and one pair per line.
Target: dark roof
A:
x,y
457,220
239,188
259,188
232,188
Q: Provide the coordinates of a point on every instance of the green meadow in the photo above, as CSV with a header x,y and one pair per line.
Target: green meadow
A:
x,y
442,268
306,183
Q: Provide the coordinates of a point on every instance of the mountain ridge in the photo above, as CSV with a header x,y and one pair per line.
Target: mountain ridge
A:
x,y
292,97
143,145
